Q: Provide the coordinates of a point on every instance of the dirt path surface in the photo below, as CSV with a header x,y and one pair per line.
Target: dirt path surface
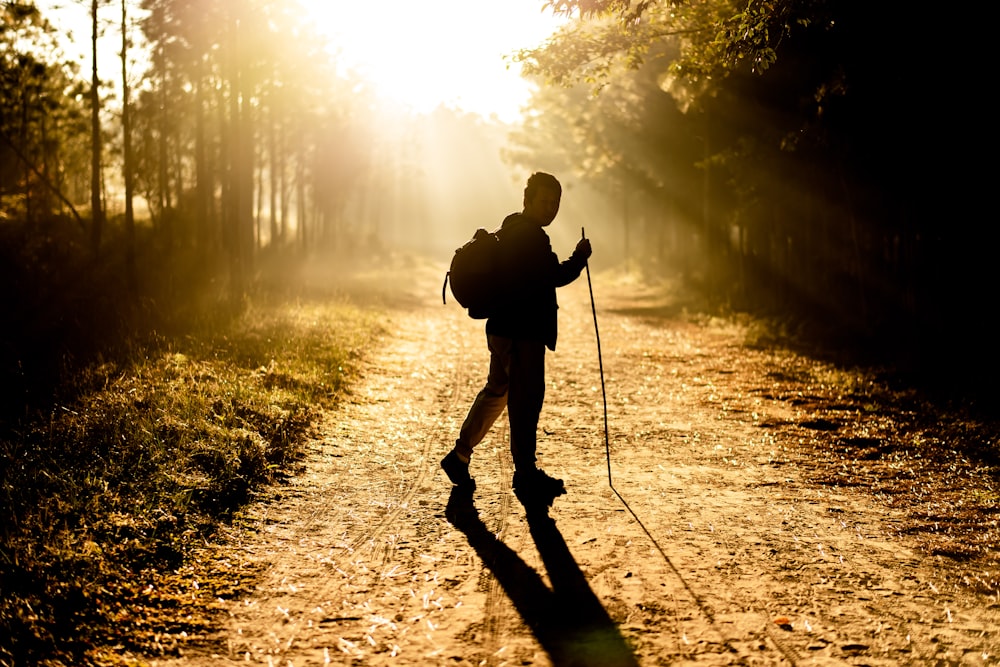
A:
x,y
721,548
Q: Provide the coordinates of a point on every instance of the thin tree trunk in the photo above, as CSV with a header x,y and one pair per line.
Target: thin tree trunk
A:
x,y
202,188
259,206
127,159
44,197
626,223
246,169
283,184
300,186
235,159
164,171
273,174
96,212
24,134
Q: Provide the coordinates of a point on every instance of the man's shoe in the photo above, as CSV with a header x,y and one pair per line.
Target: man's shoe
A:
x,y
533,487
457,470
537,479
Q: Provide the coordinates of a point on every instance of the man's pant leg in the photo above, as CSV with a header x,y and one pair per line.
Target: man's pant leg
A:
x,y
526,394
491,400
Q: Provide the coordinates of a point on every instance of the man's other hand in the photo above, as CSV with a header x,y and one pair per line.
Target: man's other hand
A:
x,y
583,249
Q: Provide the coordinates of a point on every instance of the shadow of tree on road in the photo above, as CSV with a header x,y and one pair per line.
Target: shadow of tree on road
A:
x,y
568,620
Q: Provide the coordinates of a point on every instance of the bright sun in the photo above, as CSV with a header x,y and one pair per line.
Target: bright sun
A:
x,y
418,55
424,54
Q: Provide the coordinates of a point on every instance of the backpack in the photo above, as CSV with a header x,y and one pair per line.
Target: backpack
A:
x,y
474,275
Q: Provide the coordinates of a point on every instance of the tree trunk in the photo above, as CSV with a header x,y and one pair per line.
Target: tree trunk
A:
x,y
127,160
235,244
283,185
247,153
203,189
258,207
300,185
272,154
96,212
164,171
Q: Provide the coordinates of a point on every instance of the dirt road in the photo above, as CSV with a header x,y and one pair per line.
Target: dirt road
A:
x,y
721,548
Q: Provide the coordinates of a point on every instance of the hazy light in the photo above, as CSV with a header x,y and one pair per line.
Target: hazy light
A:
x,y
418,55
425,54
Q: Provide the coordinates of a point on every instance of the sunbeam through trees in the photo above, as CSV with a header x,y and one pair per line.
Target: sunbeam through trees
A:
x,y
173,173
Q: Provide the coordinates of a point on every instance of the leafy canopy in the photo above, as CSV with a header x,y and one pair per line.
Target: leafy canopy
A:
x,y
714,38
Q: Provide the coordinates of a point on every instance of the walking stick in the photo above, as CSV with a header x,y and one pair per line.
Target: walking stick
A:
x,y
600,364
607,452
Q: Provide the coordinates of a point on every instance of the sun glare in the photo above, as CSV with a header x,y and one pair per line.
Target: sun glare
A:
x,y
421,55
416,55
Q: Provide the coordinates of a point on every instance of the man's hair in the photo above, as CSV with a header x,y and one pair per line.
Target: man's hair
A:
x,y
540,179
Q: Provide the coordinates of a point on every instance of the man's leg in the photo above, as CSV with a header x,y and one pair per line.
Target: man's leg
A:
x,y
487,406
490,401
524,405
524,401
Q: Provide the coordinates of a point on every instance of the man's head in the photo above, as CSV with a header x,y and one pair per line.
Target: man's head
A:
x,y
541,197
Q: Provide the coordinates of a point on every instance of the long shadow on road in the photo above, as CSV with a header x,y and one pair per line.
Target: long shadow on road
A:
x,y
568,620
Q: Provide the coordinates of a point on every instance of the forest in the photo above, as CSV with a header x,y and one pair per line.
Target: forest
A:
x,y
791,157
814,162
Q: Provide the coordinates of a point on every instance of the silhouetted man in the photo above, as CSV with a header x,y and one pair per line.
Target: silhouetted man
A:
x,y
523,325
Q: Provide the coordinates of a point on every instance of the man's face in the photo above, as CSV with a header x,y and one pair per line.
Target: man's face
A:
x,y
543,206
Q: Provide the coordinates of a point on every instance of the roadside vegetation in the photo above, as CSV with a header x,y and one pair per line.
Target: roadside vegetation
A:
x,y
117,458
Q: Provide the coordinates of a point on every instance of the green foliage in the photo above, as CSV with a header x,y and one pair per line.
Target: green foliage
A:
x,y
714,38
626,9
630,133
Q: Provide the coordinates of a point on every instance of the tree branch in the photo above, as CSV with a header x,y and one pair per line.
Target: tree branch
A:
x,y
43,178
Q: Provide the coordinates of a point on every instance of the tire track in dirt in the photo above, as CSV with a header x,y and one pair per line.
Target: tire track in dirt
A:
x,y
384,539
496,610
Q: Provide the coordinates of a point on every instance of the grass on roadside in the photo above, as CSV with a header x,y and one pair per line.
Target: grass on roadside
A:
x,y
149,457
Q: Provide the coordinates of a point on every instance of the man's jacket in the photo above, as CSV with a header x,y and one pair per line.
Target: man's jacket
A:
x,y
532,272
